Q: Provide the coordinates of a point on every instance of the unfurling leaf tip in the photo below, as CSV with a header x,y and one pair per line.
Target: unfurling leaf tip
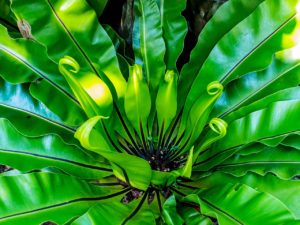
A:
x,y
219,126
215,88
68,61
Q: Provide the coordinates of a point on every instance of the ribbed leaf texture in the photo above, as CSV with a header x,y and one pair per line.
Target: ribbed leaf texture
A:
x,y
101,130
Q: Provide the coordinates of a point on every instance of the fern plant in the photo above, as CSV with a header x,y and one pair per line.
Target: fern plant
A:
x,y
98,137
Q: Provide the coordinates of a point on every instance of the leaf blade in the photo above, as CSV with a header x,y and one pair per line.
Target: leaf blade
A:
x,y
237,59
257,126
50,198
148,43
61,28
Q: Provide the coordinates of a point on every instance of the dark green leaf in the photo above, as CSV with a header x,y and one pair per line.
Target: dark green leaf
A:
x,y
250,206
284,162
255,86
73,29
148,43
112,213
98,5
20,108
174,28
226,17
238,53
169,212
31,153
278,119
41,197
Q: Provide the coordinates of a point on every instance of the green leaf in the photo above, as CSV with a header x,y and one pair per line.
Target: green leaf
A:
x,y
238,53
41,197
225,18
92,93
92,139
31,61
292,141
137,174
284,162
256,85
282,95
199,113
4,9
148,43
218,131
192,216
114,212
166,101
73,29
32,153
6,17
250,206
15,54
98,5
137,100
187,169
174,28
278,119
20,108
129,168
71,114
284,190
169,213
161,179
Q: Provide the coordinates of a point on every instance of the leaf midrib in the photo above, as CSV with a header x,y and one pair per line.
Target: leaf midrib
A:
x,y
55,159
257,91
66,203
221,211
9,24
233,69
73,39
238,146
55,123
143,34
136,210
39,73
254,163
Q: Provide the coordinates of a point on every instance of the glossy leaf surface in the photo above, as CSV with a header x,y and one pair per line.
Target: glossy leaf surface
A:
x,y
29,153
53,194
148,43
99,128
278,119
226,17
71,28
249,48
174,29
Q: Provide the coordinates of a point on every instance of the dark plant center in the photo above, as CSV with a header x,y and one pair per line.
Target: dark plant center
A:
x,y
150,194
161,157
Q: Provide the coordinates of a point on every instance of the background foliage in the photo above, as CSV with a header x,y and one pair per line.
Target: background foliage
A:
x,y
211,87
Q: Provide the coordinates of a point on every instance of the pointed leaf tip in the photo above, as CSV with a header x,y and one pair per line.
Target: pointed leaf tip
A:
x,y
215,88
92,93
219,128
187,169
166,100
200,111
137,102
